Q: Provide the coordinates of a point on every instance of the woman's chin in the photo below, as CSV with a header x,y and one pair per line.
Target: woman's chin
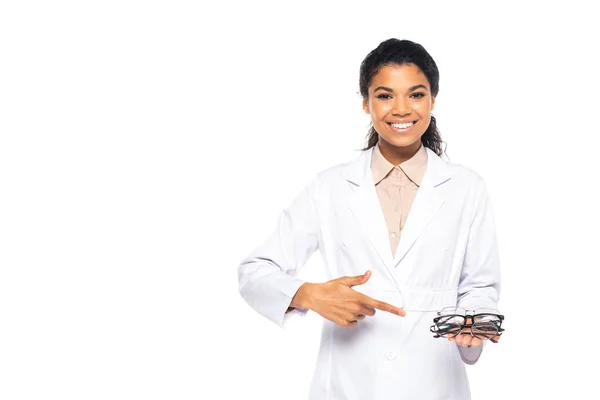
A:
x,y
402,142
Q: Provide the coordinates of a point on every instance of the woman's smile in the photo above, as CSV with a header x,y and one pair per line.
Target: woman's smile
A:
x,y
402,127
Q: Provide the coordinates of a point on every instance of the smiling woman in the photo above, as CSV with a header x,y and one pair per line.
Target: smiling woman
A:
x,y
401,114
376,341
399,87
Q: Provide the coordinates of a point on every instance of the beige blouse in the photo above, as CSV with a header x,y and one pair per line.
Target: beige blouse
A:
x,y
396,187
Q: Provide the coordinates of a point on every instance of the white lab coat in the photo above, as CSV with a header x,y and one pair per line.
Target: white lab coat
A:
x,y
447,256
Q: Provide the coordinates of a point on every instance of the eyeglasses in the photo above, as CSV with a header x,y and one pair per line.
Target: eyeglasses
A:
x,y
483,323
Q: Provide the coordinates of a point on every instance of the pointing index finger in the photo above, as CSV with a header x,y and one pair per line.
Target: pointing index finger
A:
x,y
382,305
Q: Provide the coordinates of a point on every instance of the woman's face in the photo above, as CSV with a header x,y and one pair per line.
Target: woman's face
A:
x,y
399,94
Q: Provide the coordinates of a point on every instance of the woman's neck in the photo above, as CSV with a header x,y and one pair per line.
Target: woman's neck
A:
x,y
397,155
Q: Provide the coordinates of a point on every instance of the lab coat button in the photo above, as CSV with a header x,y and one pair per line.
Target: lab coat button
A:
x,y
389,356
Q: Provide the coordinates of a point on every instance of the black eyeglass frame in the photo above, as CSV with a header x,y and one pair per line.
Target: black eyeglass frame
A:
x,y
444,332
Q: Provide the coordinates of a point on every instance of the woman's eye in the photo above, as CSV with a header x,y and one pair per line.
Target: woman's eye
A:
x,y
387,96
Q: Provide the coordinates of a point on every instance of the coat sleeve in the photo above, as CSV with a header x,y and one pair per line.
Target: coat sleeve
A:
x,y
267,276
479,284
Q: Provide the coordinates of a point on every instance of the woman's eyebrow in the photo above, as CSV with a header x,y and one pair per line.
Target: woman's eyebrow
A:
x,y
410,89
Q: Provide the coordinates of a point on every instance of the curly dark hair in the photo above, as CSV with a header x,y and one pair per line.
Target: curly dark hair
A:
x,y
401,52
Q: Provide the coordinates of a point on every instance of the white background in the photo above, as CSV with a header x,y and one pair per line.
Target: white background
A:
x,y
148,146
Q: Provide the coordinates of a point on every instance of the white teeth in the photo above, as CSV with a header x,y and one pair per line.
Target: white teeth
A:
x,y
402,126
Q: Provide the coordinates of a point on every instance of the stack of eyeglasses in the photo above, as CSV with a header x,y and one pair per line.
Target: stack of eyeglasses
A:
x,y
483,323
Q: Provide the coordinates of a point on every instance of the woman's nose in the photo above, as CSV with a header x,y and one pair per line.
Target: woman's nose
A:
x,y
400,107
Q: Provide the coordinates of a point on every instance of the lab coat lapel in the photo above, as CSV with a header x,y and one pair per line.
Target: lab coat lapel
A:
x,y
427,203
365,205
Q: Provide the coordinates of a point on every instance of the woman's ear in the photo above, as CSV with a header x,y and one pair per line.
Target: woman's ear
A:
x,y
432,103
365,105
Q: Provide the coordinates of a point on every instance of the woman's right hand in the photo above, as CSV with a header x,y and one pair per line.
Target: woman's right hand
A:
x,y
336,301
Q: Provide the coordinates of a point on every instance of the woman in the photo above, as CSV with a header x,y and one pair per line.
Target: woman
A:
x,y
376,341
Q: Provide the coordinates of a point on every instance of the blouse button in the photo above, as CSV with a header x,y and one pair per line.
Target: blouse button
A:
x,y
394,235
